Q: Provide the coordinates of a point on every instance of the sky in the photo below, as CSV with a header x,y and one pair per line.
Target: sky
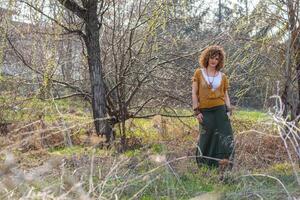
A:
x,y
251,3
212,3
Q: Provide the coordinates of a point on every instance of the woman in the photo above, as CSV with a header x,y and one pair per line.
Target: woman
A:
x,y
211,105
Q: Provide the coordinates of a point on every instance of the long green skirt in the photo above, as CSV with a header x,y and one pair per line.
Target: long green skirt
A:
x,y
216,137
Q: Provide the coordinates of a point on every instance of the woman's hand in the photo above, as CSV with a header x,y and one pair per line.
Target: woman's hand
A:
x,y
198,114
200,117
229,115
229,112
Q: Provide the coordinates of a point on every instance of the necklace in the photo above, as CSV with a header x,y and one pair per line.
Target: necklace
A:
x,y
210,85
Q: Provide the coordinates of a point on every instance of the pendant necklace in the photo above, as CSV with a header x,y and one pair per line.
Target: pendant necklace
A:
x,y
210,85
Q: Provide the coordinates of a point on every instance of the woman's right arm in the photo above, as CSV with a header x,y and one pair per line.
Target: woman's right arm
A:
x,y
197,112
195,95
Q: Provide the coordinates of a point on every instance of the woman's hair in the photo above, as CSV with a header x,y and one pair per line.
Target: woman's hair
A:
x,y
211,52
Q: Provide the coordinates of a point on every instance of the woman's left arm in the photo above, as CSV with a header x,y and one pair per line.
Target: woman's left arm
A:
x,y
227,102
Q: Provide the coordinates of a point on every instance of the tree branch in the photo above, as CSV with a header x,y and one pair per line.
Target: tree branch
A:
x,y
79,32
73,95
21,57
75,8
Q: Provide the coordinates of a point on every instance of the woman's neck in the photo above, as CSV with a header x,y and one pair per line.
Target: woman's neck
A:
x,y
211,71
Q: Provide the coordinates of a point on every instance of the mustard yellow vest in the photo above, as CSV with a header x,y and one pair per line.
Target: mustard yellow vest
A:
x,y
208,98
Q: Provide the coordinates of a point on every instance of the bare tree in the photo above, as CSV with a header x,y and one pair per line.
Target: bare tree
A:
x,y
89,13
292,60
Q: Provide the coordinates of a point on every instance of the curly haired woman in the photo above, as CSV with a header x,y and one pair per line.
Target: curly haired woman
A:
x,y
211,105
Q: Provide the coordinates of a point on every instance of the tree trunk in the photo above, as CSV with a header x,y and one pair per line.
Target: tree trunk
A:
x,y
66,67
289,56
95,70
284,98
298,81
294,29
220,16
88,13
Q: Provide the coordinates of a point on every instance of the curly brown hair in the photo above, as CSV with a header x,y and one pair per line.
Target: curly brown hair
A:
x,y
211,52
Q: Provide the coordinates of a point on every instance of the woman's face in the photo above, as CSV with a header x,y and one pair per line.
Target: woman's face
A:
x,y
213,61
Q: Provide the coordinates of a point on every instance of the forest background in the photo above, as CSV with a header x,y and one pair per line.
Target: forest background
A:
x,y
96,98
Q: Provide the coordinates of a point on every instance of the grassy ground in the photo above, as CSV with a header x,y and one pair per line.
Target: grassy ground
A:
x,y
159,164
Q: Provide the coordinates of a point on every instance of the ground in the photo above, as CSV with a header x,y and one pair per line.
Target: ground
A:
x,y
159,162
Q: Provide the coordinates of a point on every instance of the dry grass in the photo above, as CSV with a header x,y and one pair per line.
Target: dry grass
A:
x,y
87,173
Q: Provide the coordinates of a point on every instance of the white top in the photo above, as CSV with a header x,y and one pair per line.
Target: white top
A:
x,y
216,81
